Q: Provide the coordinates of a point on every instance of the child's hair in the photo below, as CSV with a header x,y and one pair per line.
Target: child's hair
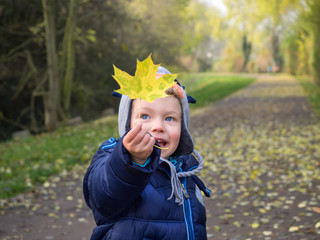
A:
x,y
176,91
173,92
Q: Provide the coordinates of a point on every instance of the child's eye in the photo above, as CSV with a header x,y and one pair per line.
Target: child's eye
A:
x,y
144,116
169,119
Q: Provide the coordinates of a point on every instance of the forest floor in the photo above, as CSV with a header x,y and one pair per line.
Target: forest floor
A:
x,y
261,148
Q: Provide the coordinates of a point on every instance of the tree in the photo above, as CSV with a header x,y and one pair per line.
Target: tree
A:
x,y
246,49
42,41
302,41
314,19
241,22
52,100
61,72
67,61
162,28
20,55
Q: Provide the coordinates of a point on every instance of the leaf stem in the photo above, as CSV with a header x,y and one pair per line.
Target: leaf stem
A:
x,y
139,109
160,147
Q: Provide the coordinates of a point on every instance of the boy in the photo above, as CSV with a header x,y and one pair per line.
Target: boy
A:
x,y
130,183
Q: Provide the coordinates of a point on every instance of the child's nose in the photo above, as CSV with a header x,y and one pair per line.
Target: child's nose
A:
x,y
157,126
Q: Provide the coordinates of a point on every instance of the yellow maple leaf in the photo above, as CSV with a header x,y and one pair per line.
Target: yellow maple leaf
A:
x,y
144,84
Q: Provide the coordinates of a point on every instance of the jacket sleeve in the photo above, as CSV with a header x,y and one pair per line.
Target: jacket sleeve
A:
x,y
112,182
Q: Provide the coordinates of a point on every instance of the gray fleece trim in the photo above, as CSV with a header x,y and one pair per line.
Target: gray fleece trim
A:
x,y
124,114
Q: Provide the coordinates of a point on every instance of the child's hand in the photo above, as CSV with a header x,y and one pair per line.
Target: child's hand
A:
x,y
139,143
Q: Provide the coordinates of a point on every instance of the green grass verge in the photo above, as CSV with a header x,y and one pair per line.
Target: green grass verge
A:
x,y
27,162
313,92
207,88
30,161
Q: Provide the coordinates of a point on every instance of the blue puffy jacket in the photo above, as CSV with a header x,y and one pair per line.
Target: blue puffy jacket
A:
x,y
129,202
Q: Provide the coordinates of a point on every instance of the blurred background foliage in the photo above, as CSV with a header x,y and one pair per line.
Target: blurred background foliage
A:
x,y
57,56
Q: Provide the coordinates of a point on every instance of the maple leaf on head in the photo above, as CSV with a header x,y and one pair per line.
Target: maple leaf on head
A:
x,y
144,84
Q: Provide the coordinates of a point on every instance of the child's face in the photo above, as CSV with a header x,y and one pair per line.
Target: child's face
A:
x,y
162,119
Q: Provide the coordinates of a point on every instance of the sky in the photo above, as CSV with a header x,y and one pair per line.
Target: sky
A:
x,y
217,3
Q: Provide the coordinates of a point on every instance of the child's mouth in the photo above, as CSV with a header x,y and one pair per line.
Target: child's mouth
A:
x,y
162,143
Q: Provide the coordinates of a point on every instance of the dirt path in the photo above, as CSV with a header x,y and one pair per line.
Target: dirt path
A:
x,y
262,152
56,211
261,147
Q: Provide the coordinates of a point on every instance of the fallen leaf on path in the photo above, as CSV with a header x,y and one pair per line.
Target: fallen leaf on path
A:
x,y
294,229
302,204
316,209
267,233
255,225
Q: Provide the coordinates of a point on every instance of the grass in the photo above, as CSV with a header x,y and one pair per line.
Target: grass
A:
x,y
313,92
207,88
25,163
30,161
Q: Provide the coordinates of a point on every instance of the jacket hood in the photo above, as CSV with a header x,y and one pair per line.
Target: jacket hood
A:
x,y
185,146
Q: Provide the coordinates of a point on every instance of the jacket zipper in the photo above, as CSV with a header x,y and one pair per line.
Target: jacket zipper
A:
x,y
187,212
187,209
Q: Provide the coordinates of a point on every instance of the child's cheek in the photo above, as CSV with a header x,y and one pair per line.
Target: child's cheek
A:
x,y
134,122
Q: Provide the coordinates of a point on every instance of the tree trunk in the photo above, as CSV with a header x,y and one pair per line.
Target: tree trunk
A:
x,y
51,111
68,56
276,55
246,50
316,41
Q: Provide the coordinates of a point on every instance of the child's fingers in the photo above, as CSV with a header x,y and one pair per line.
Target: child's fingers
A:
x,y
145,147
133,132
139,142
148,140
151,143
141,134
